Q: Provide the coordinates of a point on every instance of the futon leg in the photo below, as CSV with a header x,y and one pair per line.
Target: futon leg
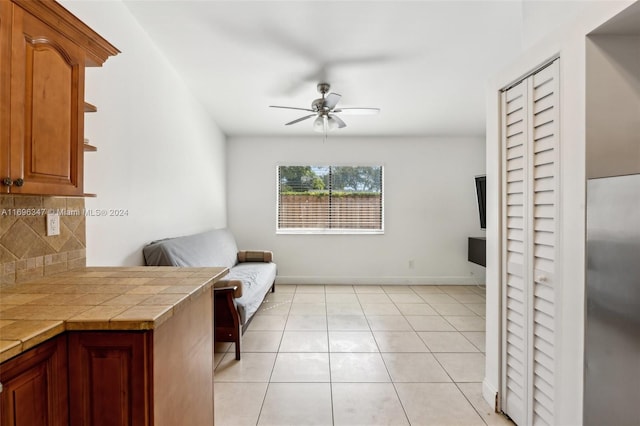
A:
x,y
238,347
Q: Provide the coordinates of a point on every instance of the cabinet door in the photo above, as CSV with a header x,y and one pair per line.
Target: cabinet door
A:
x,y
110,378
35,386
47,93
5,83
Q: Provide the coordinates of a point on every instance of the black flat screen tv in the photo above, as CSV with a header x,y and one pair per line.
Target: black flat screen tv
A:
x,y
481,197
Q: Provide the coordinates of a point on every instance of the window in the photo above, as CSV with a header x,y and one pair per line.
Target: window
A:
x,y
330,199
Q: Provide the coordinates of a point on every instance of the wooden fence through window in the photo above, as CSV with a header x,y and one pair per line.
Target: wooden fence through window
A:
x,y
353,211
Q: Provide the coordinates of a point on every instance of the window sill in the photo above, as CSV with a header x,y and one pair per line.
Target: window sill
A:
x,y
313,231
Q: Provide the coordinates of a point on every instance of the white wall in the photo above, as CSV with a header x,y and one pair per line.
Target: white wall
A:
x,y
541,17
430,209
569,44
160,156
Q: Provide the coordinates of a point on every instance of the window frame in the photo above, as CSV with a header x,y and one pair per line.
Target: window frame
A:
x,y
330,231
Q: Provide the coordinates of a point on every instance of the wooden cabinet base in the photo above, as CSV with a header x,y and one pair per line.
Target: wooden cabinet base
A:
x,y
162,377
35,386
109,378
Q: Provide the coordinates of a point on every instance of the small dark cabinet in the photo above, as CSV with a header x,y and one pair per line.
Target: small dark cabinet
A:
x,y
477,250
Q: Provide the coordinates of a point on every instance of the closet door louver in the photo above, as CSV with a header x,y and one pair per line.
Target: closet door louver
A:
x,y
544,236
514,253
530,207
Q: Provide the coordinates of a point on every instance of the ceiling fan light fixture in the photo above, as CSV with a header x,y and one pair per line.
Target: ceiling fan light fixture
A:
x,y
318,124
324,108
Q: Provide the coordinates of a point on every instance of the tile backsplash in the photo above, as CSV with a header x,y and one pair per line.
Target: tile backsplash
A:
x,y
26,252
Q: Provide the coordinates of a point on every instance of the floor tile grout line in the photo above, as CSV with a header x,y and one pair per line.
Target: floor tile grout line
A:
x,y
468,340
404,410
471,404
264,399
326,311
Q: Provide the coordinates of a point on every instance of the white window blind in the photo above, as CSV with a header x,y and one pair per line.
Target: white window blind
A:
x,y
330,199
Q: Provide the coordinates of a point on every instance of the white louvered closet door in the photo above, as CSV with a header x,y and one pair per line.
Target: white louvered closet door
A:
x,y
529,236
514,318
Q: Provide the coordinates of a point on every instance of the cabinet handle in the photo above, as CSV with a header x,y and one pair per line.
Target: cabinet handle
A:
x,y
18,182
7,181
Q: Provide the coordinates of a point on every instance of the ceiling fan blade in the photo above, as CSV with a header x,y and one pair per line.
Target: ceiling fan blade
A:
x,y
331,100
338,120
358,111
286,107
300,119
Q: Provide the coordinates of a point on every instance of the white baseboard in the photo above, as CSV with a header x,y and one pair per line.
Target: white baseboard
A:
x,y
489,393
302,279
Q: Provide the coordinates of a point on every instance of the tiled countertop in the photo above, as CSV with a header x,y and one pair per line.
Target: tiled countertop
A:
x,y
100,298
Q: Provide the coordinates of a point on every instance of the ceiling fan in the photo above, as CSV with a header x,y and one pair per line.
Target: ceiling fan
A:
x,y
324,109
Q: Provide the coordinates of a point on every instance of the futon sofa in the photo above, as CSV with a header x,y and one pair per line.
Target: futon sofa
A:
x,y
239,295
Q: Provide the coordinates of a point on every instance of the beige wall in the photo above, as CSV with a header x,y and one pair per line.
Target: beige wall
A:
x,y
26,252
613,105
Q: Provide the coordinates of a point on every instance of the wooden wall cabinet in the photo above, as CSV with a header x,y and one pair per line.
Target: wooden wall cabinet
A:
x,y
35,386
44,52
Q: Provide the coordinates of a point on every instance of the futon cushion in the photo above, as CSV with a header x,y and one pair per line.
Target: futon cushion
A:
x,y
256,270
254,276
211,248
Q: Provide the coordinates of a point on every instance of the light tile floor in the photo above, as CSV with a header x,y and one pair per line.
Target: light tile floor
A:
x,y
358,355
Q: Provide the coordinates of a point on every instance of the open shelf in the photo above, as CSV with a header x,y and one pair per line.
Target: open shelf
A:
x,y
89,107
88,147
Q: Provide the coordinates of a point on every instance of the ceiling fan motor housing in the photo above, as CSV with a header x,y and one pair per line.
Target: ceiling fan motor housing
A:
x,y
323,88
317,104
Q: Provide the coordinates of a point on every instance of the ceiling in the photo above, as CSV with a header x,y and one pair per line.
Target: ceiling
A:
x,y
423,63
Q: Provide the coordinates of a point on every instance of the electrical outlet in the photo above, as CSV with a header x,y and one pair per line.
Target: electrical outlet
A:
x,y
411,263
53,224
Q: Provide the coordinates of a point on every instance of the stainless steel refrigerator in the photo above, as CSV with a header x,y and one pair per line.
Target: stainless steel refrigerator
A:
x,y
612,333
